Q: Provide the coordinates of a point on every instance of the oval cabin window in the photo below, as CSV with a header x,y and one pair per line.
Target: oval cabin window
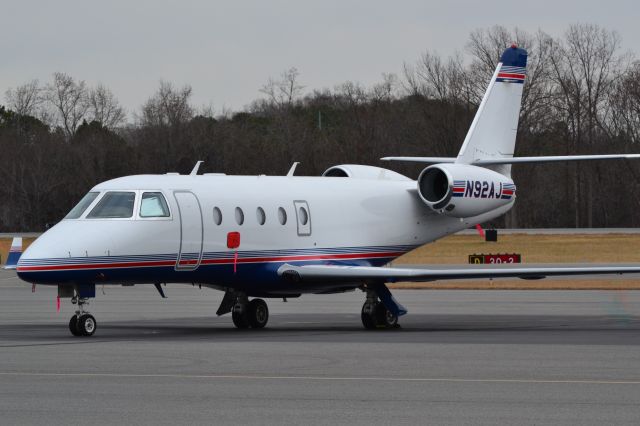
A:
x,y
239,216
217,216
304,216
261,216
282,215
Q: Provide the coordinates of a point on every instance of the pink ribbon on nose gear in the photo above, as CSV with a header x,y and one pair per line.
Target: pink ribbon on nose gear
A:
x,y
480,230
58,304
235,261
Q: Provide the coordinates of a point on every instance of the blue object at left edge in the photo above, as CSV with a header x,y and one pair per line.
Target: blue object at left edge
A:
x,y
12,259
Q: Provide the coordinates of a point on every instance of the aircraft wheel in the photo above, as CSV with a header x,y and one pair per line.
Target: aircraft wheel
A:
x,y
258,313
384,317
86,325
240,319
368,316
73,326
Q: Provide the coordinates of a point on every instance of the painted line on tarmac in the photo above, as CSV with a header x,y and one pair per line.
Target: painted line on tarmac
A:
x,y
325,378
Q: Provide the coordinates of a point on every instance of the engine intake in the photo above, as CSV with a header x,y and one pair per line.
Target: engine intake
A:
x,y
434,186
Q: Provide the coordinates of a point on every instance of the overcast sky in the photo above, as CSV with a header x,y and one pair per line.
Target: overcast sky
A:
x,y
226,50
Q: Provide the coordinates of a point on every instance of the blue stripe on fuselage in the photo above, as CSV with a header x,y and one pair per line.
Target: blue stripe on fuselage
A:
x,y
258,278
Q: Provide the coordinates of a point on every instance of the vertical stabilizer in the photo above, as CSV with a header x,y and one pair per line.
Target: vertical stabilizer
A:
x,y
14,253
492,134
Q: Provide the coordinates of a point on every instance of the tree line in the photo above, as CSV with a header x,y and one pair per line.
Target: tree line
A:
x,y
582,96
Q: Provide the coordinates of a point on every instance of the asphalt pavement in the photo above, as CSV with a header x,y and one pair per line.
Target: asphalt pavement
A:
x,y
460,357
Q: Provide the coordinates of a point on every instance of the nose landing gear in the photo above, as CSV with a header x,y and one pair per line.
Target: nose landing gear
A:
x,y
82,323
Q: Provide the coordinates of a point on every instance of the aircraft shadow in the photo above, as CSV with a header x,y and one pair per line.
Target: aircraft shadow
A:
x,y
301,328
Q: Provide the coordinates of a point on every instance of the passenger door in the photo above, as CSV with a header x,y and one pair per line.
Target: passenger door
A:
x,y
303,216
191,231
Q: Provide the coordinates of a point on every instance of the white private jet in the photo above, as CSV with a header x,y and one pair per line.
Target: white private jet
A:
x,y
282,236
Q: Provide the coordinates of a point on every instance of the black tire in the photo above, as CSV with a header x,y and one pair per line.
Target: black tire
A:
x,y
384,317
368,316
73,326
240,320
258,313
87,325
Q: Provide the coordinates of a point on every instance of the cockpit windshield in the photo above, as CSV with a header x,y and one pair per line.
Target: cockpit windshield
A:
x,y
153,205
79,209
114,205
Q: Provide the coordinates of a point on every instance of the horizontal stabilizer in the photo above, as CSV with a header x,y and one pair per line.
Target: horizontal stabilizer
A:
x,y
14,253
549,159
517,160
312,273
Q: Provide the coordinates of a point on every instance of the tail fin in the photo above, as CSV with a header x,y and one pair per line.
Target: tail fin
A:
x,y
492,134
14,253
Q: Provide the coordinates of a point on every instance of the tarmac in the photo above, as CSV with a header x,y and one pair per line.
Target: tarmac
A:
x,y
460,357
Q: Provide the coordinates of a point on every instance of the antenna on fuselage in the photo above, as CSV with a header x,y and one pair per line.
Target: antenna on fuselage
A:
x,y
292,170
196,168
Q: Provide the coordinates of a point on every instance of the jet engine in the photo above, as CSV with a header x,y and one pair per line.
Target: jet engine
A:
x,y
461,190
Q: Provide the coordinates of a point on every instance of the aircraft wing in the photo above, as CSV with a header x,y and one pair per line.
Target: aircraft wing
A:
x,y
337,273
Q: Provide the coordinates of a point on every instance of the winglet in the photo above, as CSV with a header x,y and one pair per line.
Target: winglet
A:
x,y
14,253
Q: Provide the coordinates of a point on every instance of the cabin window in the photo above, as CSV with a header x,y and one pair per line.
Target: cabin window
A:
x,y
217,216
114,205
239,216
153,204
282,215
303,216
261,216
79,209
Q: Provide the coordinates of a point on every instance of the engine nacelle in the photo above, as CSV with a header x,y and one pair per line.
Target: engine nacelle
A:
x,y
360,171
461,190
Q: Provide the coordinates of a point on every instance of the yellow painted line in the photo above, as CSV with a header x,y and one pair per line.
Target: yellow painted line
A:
x,y
326,378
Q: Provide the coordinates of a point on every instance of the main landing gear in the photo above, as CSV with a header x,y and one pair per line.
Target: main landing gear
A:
x,y
375,314
249,314
82,323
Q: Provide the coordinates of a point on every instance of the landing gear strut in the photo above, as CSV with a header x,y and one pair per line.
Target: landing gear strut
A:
x,y
375,314
82,323
254,313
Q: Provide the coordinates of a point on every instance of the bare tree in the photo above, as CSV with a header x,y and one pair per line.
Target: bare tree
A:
x,y
585,67
69,98
25,99
284,91
437,79
625,105
169,106
104,108
386,90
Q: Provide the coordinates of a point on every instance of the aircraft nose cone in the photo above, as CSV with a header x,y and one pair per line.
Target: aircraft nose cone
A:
x,y
35,261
